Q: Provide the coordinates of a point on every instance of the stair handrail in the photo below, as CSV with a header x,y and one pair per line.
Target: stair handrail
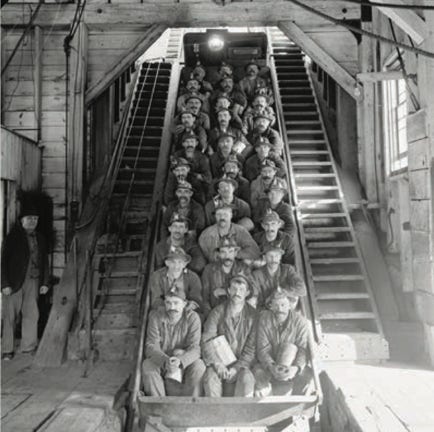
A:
x,y
152,235
299,257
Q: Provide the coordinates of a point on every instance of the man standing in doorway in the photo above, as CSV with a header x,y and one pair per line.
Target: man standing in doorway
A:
x,y
24,272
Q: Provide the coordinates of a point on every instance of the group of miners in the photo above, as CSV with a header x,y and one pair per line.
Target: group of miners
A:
x,y
224,319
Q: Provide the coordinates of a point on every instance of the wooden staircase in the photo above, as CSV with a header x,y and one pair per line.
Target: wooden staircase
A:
x,y
119,263
347,321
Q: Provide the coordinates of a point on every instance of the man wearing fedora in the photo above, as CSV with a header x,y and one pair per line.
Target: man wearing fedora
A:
x,y
282,346
176,276
274,200
217,275
180,237
274,274
173,349
272,234
241,214
210,238
253,165
180,173
234,319
25,275
262,127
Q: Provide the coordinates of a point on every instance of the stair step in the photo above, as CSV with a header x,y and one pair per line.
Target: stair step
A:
x,y
347,316
320,201
341,296
314,163
341,244
341,277
326,229
316,188
120,292
306,175
322,215
308,152
333,260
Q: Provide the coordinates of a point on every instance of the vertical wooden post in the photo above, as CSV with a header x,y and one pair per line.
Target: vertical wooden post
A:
x,y
76,112
38,79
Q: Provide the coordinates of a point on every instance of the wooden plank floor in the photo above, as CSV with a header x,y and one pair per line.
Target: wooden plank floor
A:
x,y
392,397
31,394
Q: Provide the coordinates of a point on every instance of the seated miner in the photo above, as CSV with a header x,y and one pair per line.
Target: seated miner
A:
x,y
274,274
241,213
217,275
262,184
187,125
187,208
232,169
224,127
275,201
180,173
272,235
199,164
176,275
281,346
222,102
194,104
180,238
199,73
172,365
251,81
258,106
24,275
209,240
224,150
239,102
262,128
253,165
193,86
228,372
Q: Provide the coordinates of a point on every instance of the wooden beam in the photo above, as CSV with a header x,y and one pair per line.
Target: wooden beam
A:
x,y
38,78
407,20
107,77
318,55
379,76
183,14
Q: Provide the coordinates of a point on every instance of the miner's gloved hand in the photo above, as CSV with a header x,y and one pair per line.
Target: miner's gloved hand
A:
x,y
43,290
7,291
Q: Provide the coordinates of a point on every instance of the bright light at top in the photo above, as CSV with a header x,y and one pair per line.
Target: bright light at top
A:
x,y
216,43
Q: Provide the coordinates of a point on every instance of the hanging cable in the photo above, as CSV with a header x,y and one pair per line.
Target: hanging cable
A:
x,y
413,97
371,35
390,5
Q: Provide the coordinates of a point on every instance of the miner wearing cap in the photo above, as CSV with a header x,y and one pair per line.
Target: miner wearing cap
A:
x,y
187,208
274,200
236,320
262,127
187,125
209,240
24,275
262,184
175,276
217,275
194,104
272,235
241,213
222,102
181,172
251,80
253,165
199,163
274,274
225,147
239,102
199,73
259,105
224,127
192,87
180,237
172,349
232,168
281,346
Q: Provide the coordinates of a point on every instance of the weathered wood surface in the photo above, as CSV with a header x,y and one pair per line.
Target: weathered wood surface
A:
x,y
201,13
319,55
